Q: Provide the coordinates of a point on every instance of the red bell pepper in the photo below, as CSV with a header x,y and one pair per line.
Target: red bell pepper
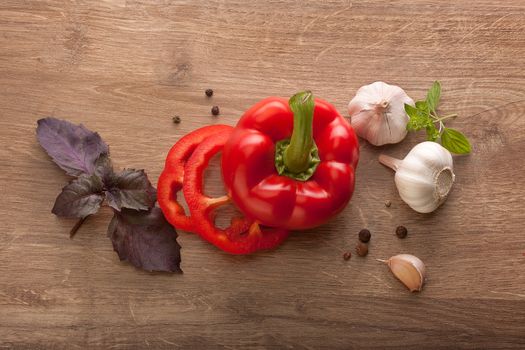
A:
x,y
171,179
243,236
290,164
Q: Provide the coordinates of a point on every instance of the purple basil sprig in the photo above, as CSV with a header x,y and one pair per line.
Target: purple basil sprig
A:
x,y
139,232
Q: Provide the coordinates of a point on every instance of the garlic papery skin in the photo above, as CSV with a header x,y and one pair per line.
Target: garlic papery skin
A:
x,y
409,269
424,177
377,113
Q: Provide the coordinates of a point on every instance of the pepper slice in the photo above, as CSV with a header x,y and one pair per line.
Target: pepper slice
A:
x,y
171,180
244,236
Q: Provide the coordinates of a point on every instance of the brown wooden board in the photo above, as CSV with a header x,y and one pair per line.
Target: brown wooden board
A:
x,y
125,68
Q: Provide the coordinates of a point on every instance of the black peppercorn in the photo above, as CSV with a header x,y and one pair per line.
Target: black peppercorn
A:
x,y
364,235
209,92
361,249
176,119
215,110
401,232
347,255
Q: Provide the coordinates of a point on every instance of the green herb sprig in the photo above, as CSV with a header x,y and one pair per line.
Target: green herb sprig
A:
x,y
424,116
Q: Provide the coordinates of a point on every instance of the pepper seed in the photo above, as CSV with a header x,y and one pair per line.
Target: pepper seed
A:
x,y
361,249
364,235
401,232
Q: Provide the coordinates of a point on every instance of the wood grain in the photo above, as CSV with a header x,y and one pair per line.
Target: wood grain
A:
x,y
124,68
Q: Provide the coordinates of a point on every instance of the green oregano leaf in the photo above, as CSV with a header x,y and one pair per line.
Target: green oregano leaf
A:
x,y
423,106
455,141
432,132
410,110
423,116
433,96
418,119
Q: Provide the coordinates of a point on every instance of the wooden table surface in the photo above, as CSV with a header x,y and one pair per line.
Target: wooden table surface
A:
x,y
124,68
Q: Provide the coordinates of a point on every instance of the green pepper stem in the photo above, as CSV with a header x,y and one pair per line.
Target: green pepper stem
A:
x,y
297,153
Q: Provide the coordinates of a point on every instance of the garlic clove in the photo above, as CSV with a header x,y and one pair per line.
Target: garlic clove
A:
x,y
378,113
424,177
409,269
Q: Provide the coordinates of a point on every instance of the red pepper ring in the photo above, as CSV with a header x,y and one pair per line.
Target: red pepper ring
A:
x,y
243,236
171,180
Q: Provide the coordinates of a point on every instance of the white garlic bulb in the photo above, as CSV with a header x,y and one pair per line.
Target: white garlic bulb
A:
x,y
409,269
378,114
424,177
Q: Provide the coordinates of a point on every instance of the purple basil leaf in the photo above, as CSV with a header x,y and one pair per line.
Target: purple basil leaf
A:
x,y
82,197
145,239
73,147
104,170
131,189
